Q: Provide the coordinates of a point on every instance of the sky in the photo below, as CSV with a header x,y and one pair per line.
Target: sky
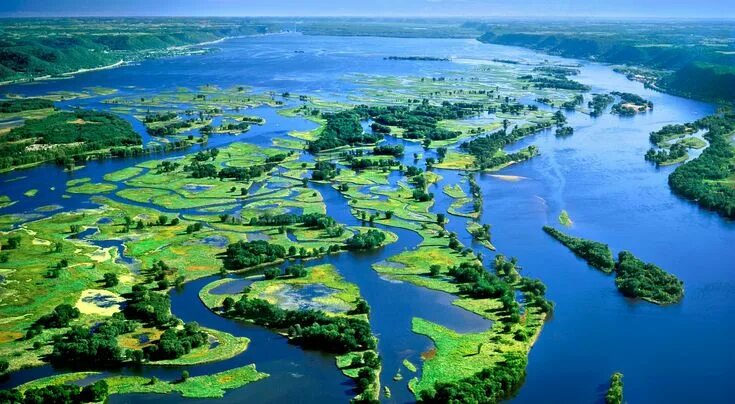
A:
x,y
374,8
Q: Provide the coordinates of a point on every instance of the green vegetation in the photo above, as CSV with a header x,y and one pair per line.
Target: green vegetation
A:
x,y
630,104
47,47
686,63
206,386
24,104
614,394
564,218
633,277
710,178
246,254
61,393
92,188
596,254
488,152
599,103
646,281
342,129
421,121
342,329
63,136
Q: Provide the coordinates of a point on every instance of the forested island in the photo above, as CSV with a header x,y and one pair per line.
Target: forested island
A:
x,y
633,277
596,254
64,136
708,178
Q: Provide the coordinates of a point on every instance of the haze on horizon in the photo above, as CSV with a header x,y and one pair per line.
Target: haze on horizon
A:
x,y
721,9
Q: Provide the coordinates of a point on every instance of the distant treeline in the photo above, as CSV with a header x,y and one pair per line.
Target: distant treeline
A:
x,y
24,104
418,58
36,48
696,70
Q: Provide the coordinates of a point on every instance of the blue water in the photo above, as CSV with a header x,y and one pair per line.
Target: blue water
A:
x,y
678,353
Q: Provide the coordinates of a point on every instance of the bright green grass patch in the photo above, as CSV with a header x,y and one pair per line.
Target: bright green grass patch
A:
x,y
63,378
564,218
409,365
693,142
228,346
92,188
454,191
5,201
77,181
31,193
343,299
123,174
207,386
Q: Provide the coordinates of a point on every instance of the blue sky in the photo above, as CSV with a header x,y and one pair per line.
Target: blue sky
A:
x,y
377,8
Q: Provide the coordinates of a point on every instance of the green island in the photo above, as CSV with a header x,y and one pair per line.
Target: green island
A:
x,y
633,277
596,254
564,218
208,386
336,323
614,394
62,136
709,178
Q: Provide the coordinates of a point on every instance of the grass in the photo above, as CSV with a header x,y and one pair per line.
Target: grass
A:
x,y
473,226
31,193
5,201
410,366
228,347
345,296
123,174
77,181
564,219
63,378
206,386
91,188
693,142
26,275
454,191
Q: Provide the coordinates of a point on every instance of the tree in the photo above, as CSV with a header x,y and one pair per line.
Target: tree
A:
x,y
440,219
4,365
95,392
271,273
435,269
184,375
228,303
110,279
162,220
361,307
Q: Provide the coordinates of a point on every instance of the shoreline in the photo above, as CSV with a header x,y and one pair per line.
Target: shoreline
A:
x,y
119,63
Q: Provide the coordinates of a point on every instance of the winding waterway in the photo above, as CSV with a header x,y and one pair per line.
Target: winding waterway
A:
x,y
678,353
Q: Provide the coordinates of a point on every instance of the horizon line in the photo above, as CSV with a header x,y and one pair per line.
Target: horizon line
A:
x,y
373,17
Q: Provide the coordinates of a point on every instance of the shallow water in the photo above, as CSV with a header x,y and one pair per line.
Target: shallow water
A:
x,y
598,175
